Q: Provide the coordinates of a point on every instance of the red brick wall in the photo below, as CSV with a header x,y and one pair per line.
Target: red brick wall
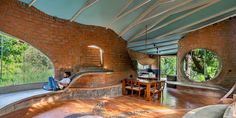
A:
x,y
91,57
97,80
62,41
221,39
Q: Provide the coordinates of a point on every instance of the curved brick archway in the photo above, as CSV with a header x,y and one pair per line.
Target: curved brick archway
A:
x,y
64,41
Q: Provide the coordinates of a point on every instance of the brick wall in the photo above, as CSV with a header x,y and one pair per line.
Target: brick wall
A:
x,y
93,81
64,42
91,57
219,38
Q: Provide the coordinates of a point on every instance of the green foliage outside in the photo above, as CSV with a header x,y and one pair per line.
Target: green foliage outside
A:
x,y
201,65
21,63
168,66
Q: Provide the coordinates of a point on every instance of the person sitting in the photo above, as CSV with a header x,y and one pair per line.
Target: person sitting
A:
x,y
58,85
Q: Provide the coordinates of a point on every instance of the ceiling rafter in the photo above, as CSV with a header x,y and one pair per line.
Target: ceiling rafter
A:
x,y
164,51
155,53
181,17
168,47
192,30
176,31
32,3
117,17
171,8
154,45
151,8
142,18
197,8
121,14
88,4
168,52
125,8
151,41
160,49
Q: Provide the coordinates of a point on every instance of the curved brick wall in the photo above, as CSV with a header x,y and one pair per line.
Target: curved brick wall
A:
x,y
221,39
65,42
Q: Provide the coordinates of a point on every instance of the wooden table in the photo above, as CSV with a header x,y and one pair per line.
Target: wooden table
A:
x,y
146,83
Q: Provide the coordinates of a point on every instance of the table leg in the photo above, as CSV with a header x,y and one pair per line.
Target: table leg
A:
x,y
148,97
123,87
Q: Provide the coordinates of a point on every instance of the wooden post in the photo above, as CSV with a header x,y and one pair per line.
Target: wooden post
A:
x,y
148,97
123,87
159,68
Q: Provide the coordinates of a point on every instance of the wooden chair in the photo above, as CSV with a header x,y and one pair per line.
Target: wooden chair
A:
x,y
128,85
136,87
157,89
160,94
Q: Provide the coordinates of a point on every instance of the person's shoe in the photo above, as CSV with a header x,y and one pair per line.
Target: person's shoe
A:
x,y
46,87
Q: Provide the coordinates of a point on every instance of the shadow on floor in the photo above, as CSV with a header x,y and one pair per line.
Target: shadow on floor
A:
x,y
83,115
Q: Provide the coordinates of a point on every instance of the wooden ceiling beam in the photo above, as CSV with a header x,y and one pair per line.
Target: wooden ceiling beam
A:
x,y
152,41
155,45
153,28
159,47
122,13
178,30
32,3
142,18
88,4
194,29
165,52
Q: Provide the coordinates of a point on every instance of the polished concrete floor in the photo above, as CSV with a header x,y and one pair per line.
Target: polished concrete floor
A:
x,y
174,105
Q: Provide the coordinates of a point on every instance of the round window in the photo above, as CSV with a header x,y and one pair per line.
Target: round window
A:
x,y
201,65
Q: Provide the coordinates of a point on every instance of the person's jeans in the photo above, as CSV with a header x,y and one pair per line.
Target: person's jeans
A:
x,y
52,83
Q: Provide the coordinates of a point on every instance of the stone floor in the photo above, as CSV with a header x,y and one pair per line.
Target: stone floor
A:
x,y
174,105
16,96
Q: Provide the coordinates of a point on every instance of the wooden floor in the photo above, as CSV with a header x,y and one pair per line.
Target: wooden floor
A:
x,y
174,105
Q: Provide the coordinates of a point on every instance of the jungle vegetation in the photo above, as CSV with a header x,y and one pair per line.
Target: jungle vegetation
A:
x,y
201,65
168,66
21,63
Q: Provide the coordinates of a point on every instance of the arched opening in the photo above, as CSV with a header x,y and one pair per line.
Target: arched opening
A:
x,y
20,63
201,65
94,56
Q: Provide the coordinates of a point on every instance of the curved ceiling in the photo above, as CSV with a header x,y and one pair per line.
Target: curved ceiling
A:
x,y
149,26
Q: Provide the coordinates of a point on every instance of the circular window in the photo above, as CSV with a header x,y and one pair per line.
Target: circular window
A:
x,y
201,65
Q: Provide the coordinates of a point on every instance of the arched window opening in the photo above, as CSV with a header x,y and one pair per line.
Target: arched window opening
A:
x,y
95,55
200,65
21,63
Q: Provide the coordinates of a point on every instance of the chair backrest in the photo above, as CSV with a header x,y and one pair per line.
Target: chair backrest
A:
x,y
163,84
159,85
135,83
128,82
